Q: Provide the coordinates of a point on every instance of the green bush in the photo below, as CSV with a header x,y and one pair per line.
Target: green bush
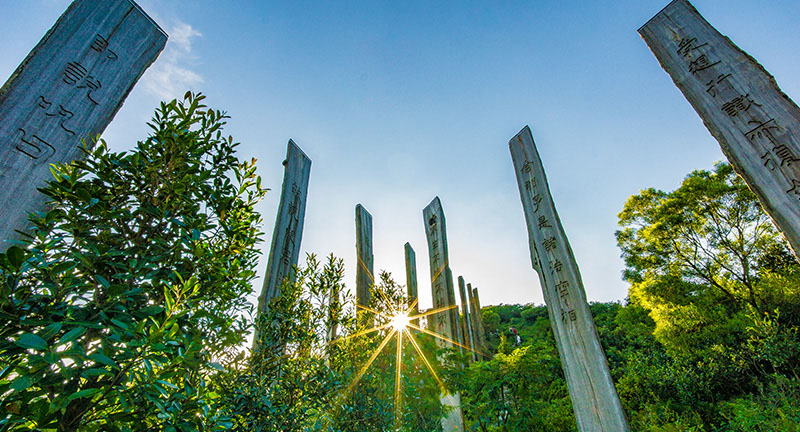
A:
x,y
132,285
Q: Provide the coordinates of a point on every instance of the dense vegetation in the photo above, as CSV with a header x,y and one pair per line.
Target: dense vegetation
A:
x,y
126,311
707,340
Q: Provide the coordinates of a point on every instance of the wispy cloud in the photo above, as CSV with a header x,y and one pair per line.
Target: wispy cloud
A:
x,y
171,75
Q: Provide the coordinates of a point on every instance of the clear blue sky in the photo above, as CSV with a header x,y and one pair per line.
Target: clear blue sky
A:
x,y
397,102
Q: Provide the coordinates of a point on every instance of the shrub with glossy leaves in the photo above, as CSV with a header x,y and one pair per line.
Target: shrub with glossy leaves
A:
x,y
132,283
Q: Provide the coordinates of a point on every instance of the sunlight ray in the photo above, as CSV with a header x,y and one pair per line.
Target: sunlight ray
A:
x,y
371,359
368,309
433,311
446,339
386,300
361,333
425,360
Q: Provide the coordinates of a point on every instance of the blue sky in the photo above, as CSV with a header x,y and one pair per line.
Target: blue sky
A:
x,y
398,102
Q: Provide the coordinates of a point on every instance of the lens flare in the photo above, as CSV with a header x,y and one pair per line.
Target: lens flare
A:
x,y
400,321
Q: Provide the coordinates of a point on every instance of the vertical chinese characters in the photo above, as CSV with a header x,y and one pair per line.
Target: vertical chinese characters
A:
x,y
37,140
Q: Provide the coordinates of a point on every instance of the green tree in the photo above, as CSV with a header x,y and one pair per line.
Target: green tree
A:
x,y
301,380
721,287
132,284
696,256
522,390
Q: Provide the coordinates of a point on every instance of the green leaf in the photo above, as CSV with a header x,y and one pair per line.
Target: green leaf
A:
x,y
21,383
120,324
29,340
72,335
16,256
52,357
84,393
152,310
93,372
62,267
50,331
102,281
103,359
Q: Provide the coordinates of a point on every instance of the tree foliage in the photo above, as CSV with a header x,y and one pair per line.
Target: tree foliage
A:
x,y
304,380
133,283
699,255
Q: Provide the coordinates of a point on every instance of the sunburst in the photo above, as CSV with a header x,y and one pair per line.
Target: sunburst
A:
x,y
400,321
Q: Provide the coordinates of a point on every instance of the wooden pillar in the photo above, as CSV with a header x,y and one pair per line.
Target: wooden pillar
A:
x,y
287,235
594,399
66,91
755,123
444,323
411,281
365,260
477,329
457,329
466,327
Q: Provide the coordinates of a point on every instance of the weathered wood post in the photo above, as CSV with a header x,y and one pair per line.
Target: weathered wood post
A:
x,y
594,399
466,327
477,329
457,330
365,260
756,124
445,323
411,281
66,90
288,232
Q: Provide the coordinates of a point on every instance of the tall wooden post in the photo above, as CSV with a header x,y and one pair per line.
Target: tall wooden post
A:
x,y
477,330
288,232
67,90
411,281
445,323
756,124
594,399
466,327
364,266
457,330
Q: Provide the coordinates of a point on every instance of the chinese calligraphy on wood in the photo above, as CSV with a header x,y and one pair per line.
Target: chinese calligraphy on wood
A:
x,y
65,91
755,123
594,399
288,233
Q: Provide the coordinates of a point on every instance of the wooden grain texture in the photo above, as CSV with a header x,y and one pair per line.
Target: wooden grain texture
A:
x,y
411,281
444,323
364,257
287,235
454,420
594,399
478,330
67,90
466,320
459,335
756,124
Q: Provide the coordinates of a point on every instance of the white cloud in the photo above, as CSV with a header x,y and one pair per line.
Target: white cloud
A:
x,y
171,75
